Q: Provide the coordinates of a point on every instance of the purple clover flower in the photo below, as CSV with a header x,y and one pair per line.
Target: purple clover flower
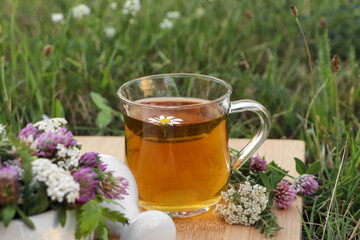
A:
x,y
89,160
47,142
113,187
86,178
258,163
284,194
9,185
306,184
28,131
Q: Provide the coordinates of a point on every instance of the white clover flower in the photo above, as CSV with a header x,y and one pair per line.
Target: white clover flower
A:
x,y
80,11
113,5
162,120
60,184
110,32
52,124
244,206
131,7
57,17
166,24
173,15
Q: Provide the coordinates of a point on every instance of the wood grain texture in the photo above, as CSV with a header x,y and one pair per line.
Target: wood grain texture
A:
x,y
208,225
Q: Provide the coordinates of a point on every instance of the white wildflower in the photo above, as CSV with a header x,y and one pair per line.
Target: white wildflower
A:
x,y
52,124
60,184
57,17
110,32
244,206
131,7
113,6
80,11
162,120
166,24
200,12
173,15
45,117
2,132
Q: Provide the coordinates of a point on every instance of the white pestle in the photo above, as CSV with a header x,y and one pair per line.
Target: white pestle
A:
x,y
148,225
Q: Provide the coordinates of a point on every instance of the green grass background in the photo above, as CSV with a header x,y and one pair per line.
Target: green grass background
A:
x,y
254,45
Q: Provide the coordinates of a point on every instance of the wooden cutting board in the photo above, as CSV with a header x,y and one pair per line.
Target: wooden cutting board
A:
x,y
209,226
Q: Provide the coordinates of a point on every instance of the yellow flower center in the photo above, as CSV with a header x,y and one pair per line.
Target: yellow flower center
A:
x,y
165,121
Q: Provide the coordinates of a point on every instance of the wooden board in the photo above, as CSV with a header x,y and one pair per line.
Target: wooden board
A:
x,y
209,226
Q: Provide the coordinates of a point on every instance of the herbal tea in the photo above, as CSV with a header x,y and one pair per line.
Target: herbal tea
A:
x,y
179,157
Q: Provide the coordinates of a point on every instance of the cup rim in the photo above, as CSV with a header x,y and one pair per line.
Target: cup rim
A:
x,y
217,100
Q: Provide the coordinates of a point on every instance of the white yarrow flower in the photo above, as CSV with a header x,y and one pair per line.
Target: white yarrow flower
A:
x,y
52,124
166,24
57,17
244,205
80,11
60,184
131,7
162,120
110,32
69,157
173,15
113,5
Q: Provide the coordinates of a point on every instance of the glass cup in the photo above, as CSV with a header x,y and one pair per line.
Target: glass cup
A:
x,y
176,141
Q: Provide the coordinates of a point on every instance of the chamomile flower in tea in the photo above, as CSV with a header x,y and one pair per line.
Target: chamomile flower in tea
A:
x,y
162,120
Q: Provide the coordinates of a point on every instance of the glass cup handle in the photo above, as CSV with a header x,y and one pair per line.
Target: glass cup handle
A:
x,y
261,135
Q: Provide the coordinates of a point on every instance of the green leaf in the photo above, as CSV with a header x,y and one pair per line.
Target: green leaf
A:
x,y
100,102
103,119
269,226
8,214
62,215
114,216
265,180
25,218
59,110
106,75
88,217
38,202
271,198
300,166
275,178
102,232
314,168
97,160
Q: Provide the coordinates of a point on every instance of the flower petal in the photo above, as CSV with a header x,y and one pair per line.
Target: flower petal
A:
x,y
177,120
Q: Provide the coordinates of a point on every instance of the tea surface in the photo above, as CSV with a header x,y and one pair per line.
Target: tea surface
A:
x,y
182,167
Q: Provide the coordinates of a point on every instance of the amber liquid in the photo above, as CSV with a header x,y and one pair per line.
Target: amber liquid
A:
x,y
178,168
